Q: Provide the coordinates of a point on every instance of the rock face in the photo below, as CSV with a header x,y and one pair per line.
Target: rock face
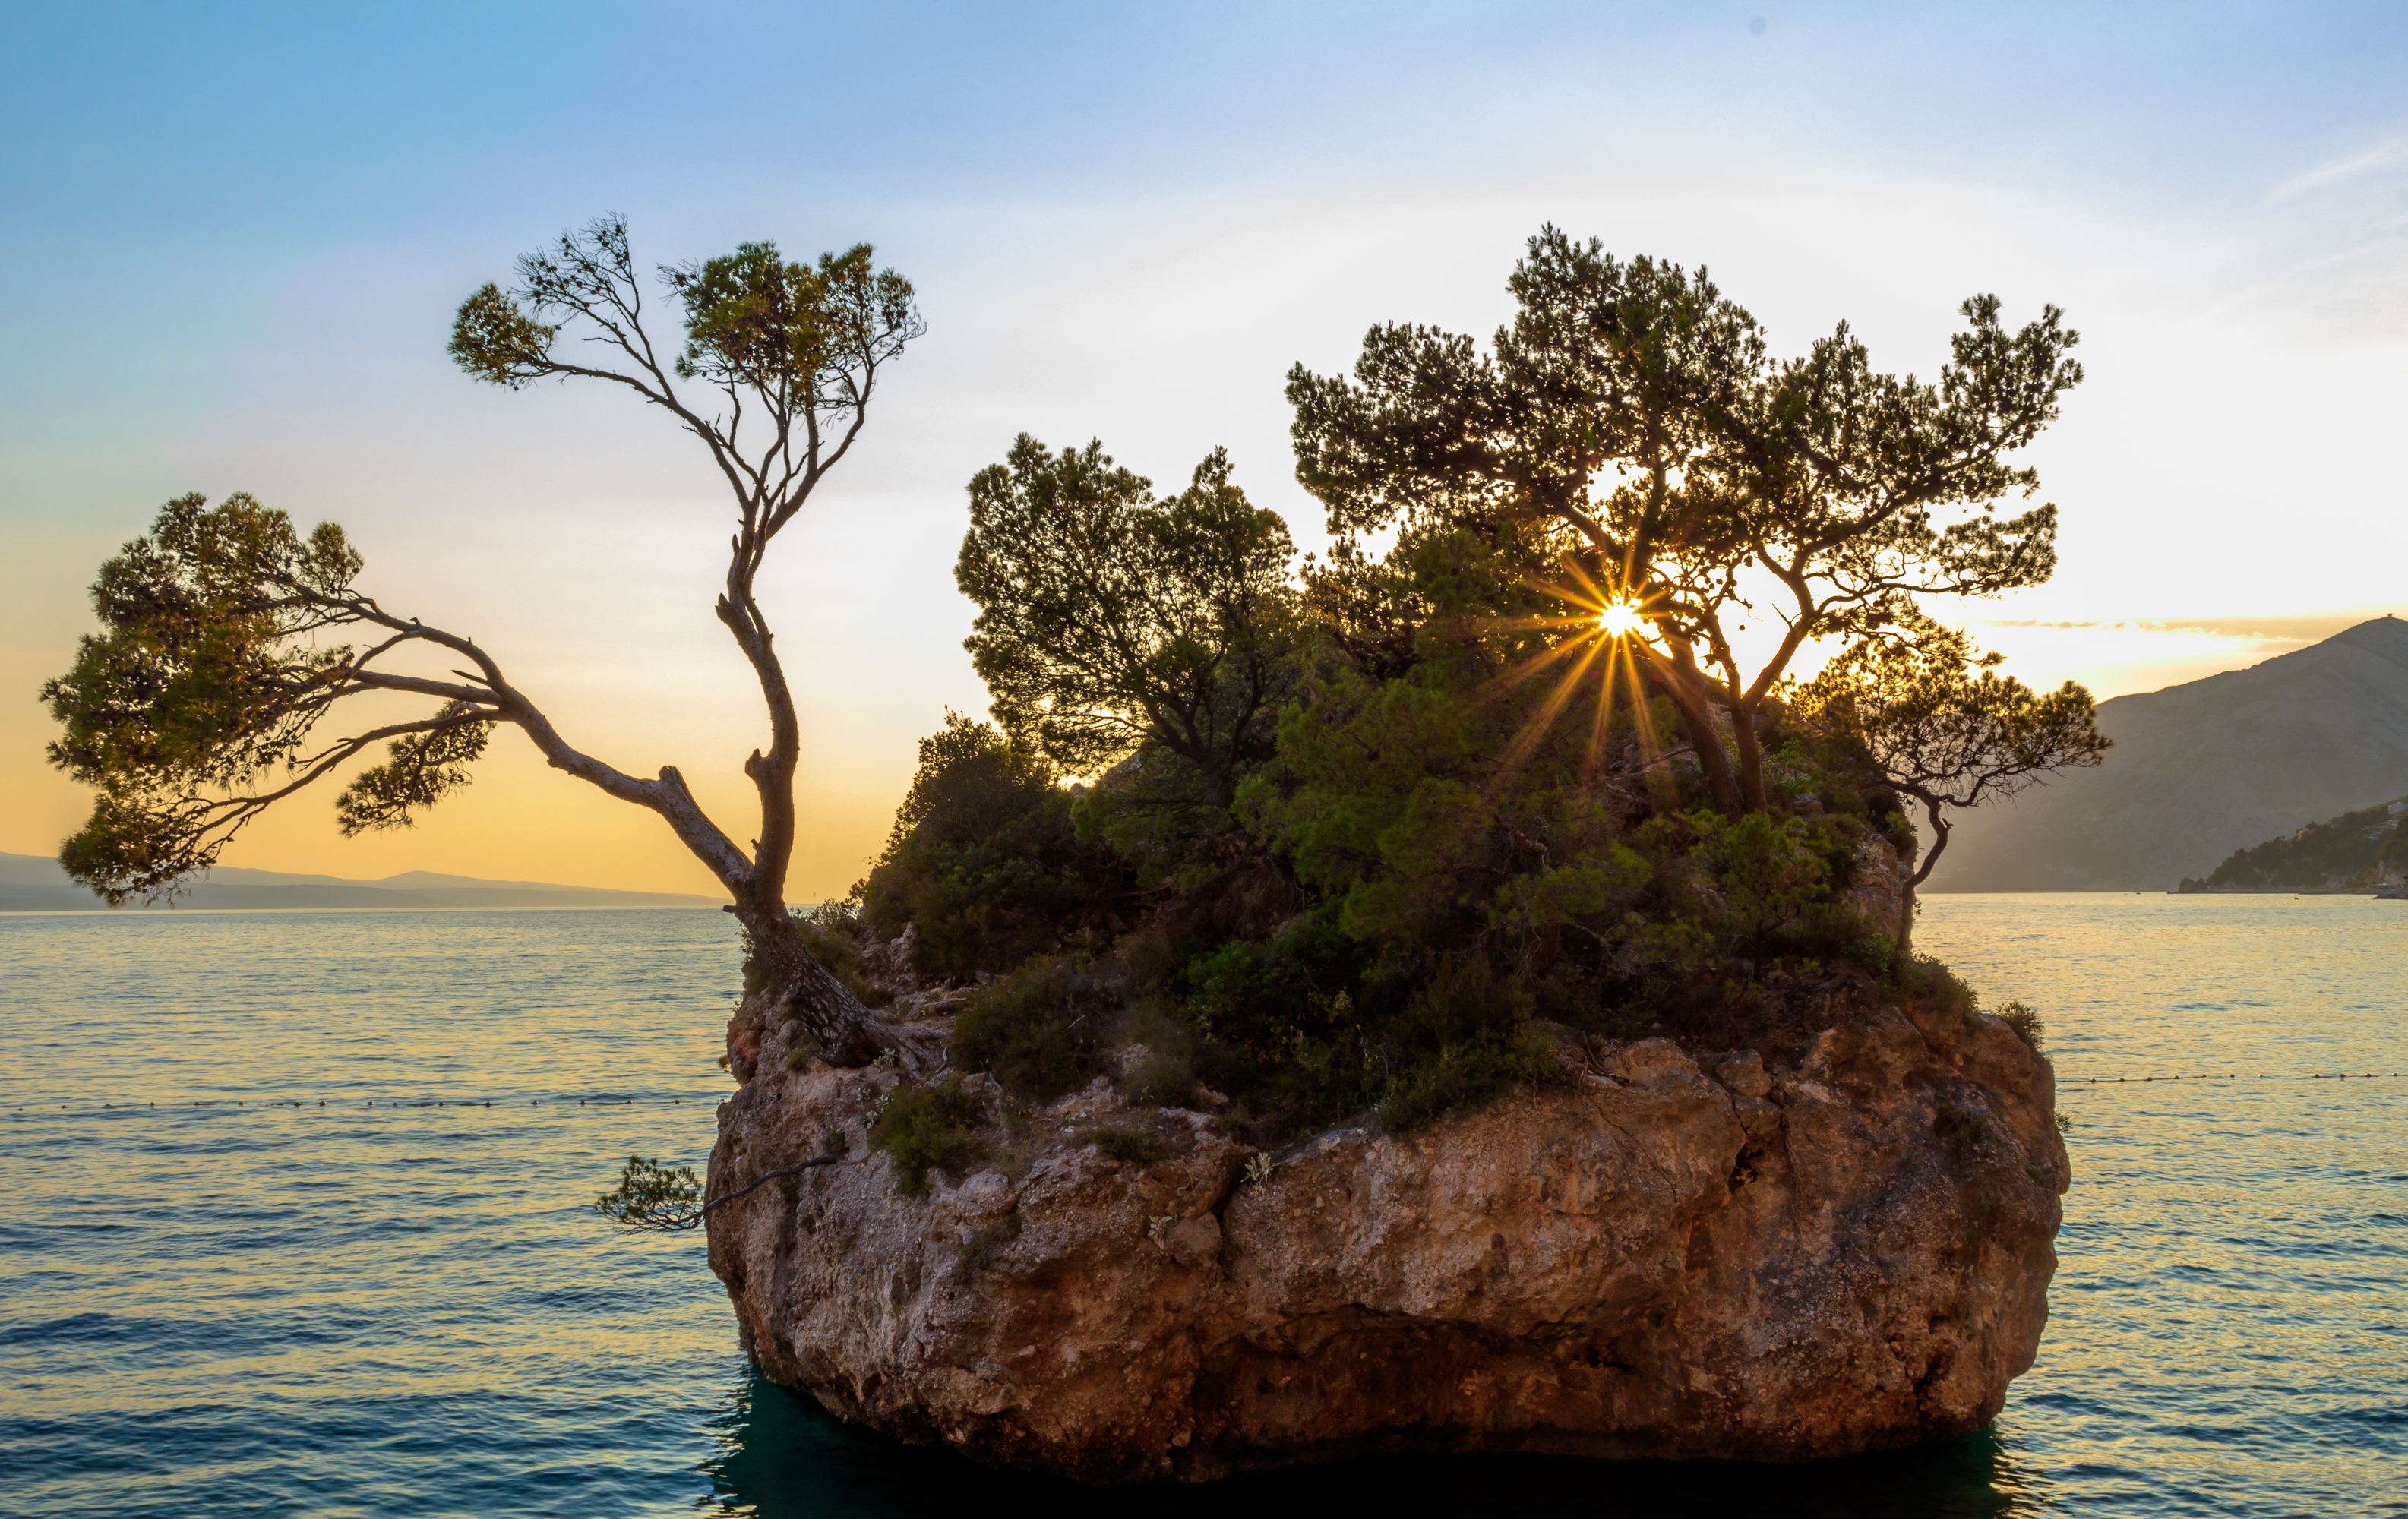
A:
x,y
1669,1256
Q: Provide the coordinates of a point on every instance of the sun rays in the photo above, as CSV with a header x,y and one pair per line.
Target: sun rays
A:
x,y
1603,641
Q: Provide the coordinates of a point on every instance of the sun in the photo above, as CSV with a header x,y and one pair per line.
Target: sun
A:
x,y
1620,619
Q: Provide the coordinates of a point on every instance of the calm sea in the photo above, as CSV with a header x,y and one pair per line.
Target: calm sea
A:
x,y
229,1284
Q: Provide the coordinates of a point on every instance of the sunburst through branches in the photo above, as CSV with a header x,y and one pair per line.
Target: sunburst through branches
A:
x,y
1604,632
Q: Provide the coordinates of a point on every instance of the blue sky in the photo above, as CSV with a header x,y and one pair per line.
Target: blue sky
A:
x,y
232,236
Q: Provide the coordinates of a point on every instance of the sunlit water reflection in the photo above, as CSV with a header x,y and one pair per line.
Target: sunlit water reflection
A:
x,y
382,1310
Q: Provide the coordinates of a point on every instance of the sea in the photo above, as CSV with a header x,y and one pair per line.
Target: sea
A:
x,y
295,1219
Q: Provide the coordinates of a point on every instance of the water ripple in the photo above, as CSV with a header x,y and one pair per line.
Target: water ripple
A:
x,y
283,1308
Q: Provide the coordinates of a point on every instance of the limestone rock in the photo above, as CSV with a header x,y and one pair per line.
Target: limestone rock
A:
x,y
1877,889
1767,1263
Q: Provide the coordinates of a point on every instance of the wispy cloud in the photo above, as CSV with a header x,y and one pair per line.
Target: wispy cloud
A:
x,y
2261,629
2387,155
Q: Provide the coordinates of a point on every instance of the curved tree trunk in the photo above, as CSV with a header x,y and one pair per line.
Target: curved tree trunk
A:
x,y
1931,808
1683,685
802,989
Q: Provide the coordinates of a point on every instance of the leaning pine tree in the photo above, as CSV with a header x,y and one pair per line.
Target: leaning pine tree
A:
x,y
207,695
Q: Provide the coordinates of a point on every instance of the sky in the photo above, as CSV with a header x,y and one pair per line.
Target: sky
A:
x,y
232,238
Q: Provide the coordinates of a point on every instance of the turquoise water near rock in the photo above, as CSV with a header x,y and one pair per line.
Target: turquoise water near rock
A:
x,y
407,1309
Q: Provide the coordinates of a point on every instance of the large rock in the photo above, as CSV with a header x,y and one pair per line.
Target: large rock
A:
x,y
1667,1257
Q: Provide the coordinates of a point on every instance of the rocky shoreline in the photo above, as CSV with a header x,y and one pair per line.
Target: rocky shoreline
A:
x,y
1669,1253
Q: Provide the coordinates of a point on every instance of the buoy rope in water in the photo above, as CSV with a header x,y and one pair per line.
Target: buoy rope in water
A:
x,y
2227,1076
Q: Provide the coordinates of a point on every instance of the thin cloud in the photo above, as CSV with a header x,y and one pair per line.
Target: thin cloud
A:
x,y
2390,153
2263,629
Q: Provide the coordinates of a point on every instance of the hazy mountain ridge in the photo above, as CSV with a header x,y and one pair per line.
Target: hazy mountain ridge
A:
x,y
36,883
2202,770
2359,851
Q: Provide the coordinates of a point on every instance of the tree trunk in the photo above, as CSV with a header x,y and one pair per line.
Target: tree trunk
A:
x,y
801,989
1751,756
1681,683
1931,808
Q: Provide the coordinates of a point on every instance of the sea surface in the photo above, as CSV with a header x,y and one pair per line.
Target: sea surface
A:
x,y
295,1220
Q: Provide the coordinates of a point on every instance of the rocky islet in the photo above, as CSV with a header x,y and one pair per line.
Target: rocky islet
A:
x,y
1672,1252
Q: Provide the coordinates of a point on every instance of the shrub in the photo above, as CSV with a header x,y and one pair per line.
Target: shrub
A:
x,y
1464,1076
1037,1029
929,1127
2026,1021
1921,977
1161,1080
985,859
1133,1146
1959,1124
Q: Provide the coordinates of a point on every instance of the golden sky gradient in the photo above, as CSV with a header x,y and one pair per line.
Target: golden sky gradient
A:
x,y
1144,270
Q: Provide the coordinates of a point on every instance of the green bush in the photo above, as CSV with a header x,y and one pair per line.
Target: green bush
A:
x,y
2026,1021
1132,1146
1464,1076
1161,1080
1958,1125
930,1127
985,859
1920,977
1039,1029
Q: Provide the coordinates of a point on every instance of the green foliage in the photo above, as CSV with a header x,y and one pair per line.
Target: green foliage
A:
x,y
2362,847
1723,451
930,1127
1956,1125
1635,413
985,858
1110,617
1455,797
1922,978
754,319
799,337
1039,1030
652,1196
208,677
1461,1077
1941,724
1308,1027
1161,1080
419,771
2026,1021
1775,878
1129,1146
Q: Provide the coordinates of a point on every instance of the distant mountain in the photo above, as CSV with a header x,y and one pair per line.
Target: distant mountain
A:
x,y
36,883
2357,850
2202,769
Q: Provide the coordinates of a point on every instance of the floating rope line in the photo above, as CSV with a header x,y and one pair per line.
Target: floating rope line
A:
x,y
2228,1076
